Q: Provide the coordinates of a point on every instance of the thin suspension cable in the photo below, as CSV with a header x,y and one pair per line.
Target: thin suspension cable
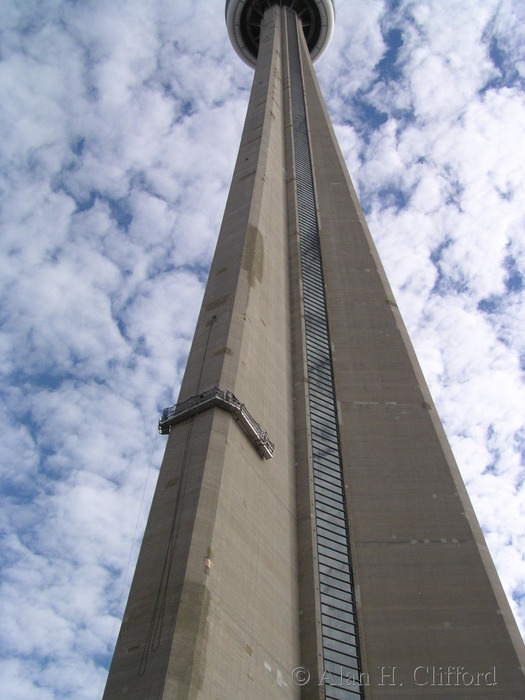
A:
x,y
154,636
133,540
157,617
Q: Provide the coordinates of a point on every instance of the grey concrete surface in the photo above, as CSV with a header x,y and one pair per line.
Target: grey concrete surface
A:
x,y
224,603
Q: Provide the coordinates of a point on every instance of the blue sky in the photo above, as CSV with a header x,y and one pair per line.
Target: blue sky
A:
x,y
120,124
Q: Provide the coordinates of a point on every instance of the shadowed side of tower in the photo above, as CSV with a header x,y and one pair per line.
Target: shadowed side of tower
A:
x,y
352,552
428,595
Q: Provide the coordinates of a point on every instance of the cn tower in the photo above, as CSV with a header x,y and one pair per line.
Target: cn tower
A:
x,y
310,535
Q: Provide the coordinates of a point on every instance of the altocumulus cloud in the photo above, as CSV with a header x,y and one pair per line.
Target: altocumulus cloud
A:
x,y
120,125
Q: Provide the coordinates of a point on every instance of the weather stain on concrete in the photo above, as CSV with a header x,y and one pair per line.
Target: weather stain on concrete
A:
x,y
216,303
253,255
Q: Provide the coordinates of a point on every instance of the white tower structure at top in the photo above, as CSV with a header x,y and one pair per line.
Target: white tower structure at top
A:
x,y
244,17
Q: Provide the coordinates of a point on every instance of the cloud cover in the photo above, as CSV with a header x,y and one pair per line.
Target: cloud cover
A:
x,y
120,125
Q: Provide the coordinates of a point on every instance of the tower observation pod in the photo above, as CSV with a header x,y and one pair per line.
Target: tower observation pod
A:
x,y
244,17
310,536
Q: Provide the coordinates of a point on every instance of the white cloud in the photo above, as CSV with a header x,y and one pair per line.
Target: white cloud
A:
x,y
121,123
443,180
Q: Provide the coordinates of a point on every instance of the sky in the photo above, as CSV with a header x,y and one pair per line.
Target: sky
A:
x,y
119,123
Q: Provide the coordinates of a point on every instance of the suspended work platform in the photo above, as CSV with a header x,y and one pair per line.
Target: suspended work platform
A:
x,y
216,398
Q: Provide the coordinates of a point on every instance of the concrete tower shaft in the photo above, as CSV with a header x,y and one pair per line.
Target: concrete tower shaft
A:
x,y
244,18
347,562
213,610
